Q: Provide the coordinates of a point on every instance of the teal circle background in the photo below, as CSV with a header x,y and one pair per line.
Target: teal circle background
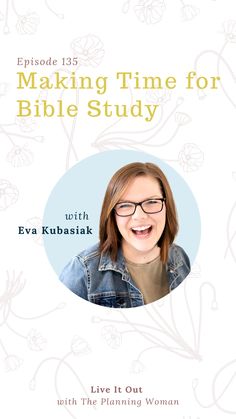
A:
x,y
82,188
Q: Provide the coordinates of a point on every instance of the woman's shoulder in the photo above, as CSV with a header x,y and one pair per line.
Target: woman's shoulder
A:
x,y
75,274
177,254
89,253
78,263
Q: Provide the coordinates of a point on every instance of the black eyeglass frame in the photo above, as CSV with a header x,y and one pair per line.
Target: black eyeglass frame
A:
x,y
136,204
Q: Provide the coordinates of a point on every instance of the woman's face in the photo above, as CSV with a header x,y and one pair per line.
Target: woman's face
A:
x,y
141,231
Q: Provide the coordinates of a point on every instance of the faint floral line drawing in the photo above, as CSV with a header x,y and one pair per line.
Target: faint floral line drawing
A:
x,y
229,30
218,391
151,137
157,332
89,50
191,157
35,340
188,11
159,97
147,11
137,367
27,23
20,155
14,285
8,194
231,232
12,362
70,135
59,15
26,124
79,347
68,131
150,11
126,6
112,336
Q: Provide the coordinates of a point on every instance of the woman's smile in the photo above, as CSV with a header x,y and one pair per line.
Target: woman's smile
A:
x,y
142,231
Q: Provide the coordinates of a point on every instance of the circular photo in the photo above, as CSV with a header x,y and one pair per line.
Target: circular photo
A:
x,y
121,229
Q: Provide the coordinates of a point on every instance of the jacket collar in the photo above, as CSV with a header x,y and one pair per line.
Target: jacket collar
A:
x,y
175,260
106,263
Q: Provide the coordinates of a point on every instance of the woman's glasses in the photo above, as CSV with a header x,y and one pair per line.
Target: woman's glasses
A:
x,y
150,206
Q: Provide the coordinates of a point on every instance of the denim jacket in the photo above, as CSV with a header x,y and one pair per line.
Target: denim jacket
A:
x,y
96,278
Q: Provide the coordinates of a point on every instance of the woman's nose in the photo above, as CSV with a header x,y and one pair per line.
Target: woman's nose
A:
x,y
139,213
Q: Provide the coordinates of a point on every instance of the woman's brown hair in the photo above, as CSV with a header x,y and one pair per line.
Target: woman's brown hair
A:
x,y
110,237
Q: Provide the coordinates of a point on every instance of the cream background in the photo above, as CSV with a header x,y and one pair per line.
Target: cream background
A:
x,y
53,345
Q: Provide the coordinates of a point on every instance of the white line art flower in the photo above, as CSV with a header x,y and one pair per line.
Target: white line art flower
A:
x,y
191,157
126,6
20,156
230,30
26,124
112,336
159,97
150,11
189,12
35,340
137,367
89,50
8,194
12,363
182,118
27,24
79,346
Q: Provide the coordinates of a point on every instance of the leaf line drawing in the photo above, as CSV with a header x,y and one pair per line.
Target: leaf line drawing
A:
x,y
14,286
151,137
217,392
53,11
157,332
229,30
89,51
78,347
230,235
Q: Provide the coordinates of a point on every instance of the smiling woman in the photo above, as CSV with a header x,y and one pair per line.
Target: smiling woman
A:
x,y
136,261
